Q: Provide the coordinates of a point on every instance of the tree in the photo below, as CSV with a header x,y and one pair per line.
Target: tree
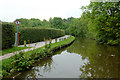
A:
x,y
104,21
35,22
57,23
45,23
78,27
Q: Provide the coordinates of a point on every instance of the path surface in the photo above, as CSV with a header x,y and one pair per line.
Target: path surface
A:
x,y
33,45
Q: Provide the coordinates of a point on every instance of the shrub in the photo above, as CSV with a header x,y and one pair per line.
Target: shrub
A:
x,y
39,34
21,62
7,64
8,35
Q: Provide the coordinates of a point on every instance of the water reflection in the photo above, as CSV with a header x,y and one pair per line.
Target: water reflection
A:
x,y
43,66
61,65
103,60
83,59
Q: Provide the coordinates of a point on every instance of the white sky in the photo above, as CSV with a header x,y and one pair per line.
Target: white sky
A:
x,y
42,9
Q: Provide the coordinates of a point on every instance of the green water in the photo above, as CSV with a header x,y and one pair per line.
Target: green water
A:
x,y
83,59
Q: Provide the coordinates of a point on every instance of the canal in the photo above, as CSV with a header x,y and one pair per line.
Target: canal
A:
x,y
83,59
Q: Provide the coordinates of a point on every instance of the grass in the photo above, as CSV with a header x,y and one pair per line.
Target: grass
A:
x,y
10,50
7,63
53,46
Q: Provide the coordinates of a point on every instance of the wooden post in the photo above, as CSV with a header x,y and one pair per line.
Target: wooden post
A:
x,y
50,41
55,40
24,43
59,40
29,42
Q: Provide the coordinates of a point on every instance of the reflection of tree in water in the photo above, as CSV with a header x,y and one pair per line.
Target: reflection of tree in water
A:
x,y
103,60
101,67
81,46
44,65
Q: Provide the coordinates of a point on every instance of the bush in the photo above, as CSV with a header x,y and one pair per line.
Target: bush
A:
x,y
39,34
21,62
8,35
7,64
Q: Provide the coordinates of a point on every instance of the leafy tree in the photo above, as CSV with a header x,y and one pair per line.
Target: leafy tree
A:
x,y
67,23
57,23
104,21
23,22
45,23
78,27
34,22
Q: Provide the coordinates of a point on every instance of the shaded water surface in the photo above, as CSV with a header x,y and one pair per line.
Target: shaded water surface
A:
x,y
83,59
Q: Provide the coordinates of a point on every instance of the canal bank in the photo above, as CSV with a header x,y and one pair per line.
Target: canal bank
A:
x,y
24,61
83,59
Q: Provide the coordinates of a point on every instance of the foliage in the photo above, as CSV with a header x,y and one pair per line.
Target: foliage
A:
x,y
99,21
21,62
39,34
104,22
67,23
78,27
57,23
7,64
8,35
33,22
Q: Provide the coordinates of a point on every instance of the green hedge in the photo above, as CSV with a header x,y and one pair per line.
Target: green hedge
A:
x,y
8,35
39,34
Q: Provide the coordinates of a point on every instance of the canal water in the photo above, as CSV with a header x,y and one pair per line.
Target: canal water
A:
x,y
83,59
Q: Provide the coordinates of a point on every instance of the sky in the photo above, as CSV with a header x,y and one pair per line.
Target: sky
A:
x,y
41,9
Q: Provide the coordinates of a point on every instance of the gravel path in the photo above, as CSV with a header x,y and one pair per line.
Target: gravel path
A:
x,y
33,45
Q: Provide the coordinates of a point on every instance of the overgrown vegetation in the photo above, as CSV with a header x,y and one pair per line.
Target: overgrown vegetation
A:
x,y
24,61
99,21
104,23
8,35
39,34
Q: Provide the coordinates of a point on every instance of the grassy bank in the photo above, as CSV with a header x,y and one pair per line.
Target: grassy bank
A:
x,y
13,49
24,61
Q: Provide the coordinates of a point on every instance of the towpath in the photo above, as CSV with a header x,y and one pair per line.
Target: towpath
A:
x,y
33,46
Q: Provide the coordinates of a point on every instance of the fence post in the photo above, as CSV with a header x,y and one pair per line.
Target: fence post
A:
x,y
24,43
29,42
55,40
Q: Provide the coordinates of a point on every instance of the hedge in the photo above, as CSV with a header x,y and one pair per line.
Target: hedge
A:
x,y
39,34
8,35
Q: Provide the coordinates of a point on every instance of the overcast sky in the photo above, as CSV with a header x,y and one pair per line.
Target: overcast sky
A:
x,y
42,9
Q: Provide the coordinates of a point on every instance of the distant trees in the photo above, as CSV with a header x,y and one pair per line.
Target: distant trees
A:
x,y
57,23
23,22
78,27
35,22
67,24
99,21
30,22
